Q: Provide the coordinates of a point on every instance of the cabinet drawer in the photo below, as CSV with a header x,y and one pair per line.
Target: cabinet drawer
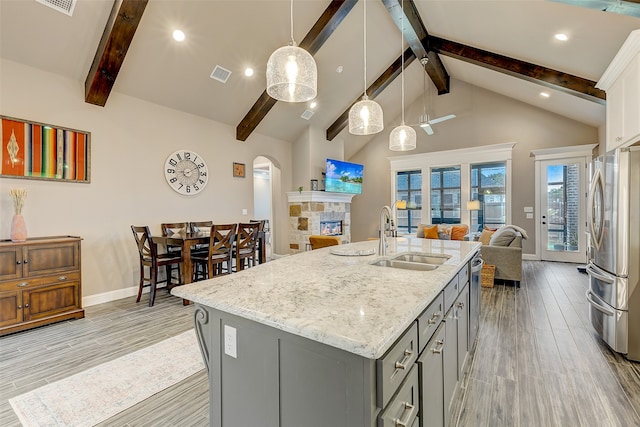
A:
x,y
450,293
403,409
463,276
27,283
393,367
51,259
431,379
51,300
429,320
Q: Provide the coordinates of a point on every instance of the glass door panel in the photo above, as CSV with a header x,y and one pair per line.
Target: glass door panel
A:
x,y
563,210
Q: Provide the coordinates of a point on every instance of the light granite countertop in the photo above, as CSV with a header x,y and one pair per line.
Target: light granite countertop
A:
x,y
341,301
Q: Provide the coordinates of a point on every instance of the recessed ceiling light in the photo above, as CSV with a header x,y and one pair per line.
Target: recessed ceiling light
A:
x,y
339,69
544,94
313,104
248,72
178,36
562,37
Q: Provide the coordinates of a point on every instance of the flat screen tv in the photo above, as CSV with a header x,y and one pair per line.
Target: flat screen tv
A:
x,y
343,177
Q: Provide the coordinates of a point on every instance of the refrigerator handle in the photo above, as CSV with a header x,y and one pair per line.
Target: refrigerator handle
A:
x,y
599,307
592,270
597,182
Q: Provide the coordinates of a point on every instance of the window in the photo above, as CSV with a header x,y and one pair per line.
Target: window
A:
x,y
488,184
409,189
445,195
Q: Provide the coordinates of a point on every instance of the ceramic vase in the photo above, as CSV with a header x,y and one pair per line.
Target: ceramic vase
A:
x,y
18,229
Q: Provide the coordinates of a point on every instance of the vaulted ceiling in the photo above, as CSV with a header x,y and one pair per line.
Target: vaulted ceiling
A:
x,y
502,46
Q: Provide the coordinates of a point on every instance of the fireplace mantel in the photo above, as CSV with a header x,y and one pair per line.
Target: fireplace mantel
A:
x,y
318,196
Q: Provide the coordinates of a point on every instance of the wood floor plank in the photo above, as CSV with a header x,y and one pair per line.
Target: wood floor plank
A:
x,y
535,408
477,405
504,406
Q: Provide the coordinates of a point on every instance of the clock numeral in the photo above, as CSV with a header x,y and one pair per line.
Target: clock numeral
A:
x,y
195,187
173,180
173,162
201,165
188,189
203,173
171,171
181,185
201,181
187,155
178,156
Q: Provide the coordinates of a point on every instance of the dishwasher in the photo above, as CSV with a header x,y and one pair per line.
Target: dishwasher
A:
x,y
474,298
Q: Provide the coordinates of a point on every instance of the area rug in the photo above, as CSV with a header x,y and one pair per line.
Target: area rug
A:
x,y
92,396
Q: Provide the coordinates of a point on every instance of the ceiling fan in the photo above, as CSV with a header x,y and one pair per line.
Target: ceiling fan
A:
x,y
425,122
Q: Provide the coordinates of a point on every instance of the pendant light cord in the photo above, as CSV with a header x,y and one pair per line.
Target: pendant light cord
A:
x,y
402,54
292,40
365,47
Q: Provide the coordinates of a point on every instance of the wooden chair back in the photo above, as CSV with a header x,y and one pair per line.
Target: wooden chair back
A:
x,y
146,248
197,226
169,228
222,238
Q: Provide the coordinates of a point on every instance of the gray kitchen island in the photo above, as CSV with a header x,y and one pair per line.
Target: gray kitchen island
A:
x,y
330,339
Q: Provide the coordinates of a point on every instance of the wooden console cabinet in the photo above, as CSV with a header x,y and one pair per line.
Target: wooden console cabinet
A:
x,y
39,282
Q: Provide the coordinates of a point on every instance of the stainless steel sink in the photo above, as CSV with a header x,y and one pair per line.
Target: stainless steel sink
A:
x,y
423,258
406,265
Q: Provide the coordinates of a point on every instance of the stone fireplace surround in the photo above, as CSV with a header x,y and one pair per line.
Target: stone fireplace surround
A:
x,y
308,208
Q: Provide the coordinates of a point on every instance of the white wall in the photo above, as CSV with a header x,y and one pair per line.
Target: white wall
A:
x,y
310,153
483,118
130,140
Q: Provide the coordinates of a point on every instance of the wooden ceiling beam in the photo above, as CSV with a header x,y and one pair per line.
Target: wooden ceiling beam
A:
x,y
114,44
414,32
374,90
333,15
548,77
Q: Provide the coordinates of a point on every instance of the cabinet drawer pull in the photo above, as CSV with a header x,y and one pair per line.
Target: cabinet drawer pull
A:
x,y
408,410
460,305
62,278
403,363
26,306
23,284
26,261
19,307
434,318
437,350
18,262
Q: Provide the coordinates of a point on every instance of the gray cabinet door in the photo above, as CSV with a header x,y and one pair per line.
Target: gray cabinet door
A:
x,y
462,313
430,369
450,362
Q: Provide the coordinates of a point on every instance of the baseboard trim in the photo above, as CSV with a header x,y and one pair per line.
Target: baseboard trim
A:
x,y
110,296
530,257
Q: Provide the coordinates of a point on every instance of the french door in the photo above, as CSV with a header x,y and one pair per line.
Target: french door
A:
x,y
562,215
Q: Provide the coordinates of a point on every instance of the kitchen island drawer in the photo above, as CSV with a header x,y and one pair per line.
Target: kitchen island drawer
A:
x,y
463,276
403,408
394,366
429,320
451,293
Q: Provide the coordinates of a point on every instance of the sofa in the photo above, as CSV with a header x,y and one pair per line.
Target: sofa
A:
x,y
503,248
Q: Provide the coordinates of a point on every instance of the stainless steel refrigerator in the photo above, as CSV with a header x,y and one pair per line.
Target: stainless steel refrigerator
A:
x,y
614,264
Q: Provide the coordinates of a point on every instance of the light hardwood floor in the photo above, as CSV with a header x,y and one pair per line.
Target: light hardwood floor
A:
x,y
537,361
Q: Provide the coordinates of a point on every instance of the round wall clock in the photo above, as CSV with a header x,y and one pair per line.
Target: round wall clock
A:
x,y
186,172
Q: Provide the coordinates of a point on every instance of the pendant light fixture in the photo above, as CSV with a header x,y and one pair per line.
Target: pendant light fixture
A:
x,y
292,74
365,117
403,137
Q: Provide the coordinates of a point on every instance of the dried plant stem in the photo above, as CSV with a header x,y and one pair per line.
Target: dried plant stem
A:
x,y
18,195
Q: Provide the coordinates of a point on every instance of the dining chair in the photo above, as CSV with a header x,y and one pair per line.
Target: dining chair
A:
x,y
246,244
199,249
150,258
260,238
220,252
169,228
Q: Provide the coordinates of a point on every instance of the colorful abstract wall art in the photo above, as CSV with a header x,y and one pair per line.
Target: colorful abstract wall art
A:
x,y
41,151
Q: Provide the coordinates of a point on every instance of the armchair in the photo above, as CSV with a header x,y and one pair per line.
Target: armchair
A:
x,y
504,250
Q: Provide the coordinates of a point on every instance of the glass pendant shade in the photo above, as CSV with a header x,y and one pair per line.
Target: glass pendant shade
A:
x,y
365,117
402,138
292,75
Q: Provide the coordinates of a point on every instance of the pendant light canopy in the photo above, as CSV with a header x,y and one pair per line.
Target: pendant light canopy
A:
x,y
365,117
403,137
292,74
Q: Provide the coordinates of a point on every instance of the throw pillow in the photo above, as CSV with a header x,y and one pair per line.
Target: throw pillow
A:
x,y
458,232
485,236
502,239
420,230
431,232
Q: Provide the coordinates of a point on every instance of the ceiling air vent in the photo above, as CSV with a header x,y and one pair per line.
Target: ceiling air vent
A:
x,y
220,74
307,114
64,6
